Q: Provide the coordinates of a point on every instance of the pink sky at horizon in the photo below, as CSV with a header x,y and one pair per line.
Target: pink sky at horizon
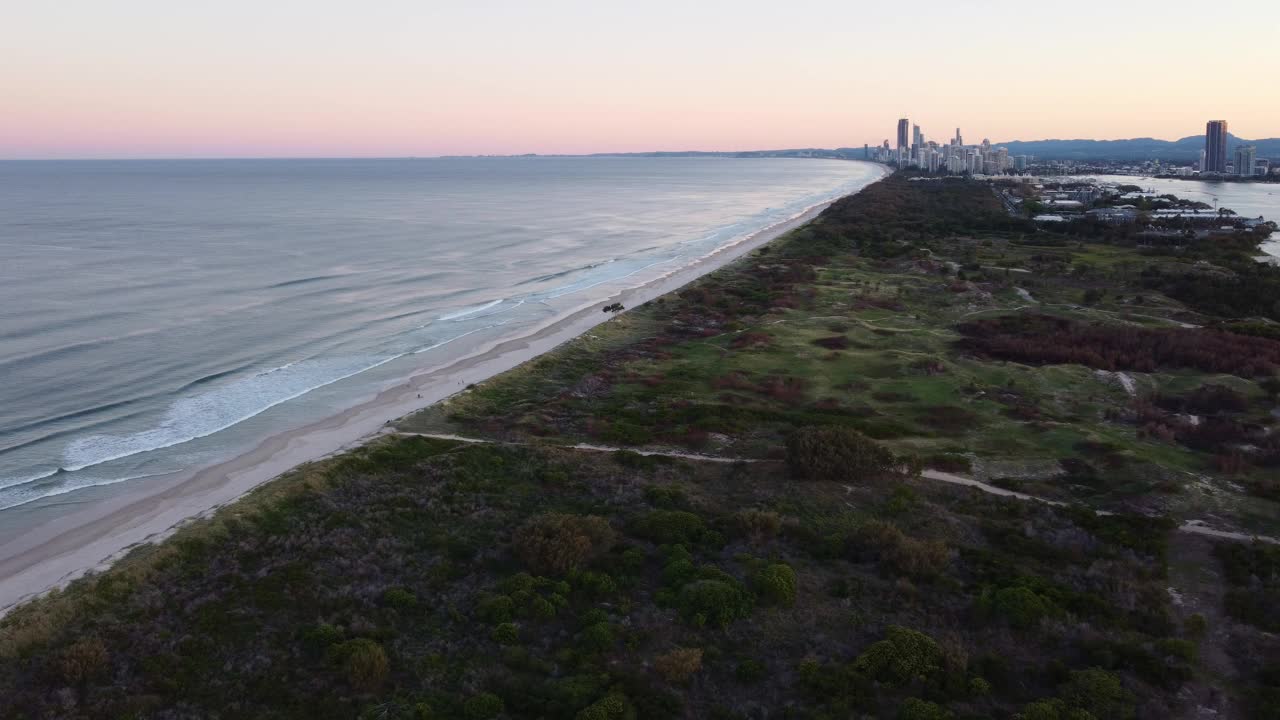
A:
x,y
144,78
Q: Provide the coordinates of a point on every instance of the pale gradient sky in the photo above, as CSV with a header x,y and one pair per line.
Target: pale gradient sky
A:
x,y
175,78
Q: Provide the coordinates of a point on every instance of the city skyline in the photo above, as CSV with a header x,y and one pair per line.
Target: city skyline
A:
x,y
954,157
141,78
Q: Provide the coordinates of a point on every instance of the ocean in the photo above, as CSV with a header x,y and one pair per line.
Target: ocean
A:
x,y
161,316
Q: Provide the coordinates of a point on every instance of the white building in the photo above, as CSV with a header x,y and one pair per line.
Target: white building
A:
x,y
1246,158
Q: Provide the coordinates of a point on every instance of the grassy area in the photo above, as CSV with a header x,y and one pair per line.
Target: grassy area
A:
x,y
737,361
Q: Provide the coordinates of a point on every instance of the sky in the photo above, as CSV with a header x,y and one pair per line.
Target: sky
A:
x,y
305,78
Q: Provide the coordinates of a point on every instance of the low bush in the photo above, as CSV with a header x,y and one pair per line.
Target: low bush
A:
x,y
401,598
556,543
613,706
758,525
505,634
365,663
678,665
917,709
775,584
897,553
901,657
483,706
83,660
1099,693
1021,607
836,453
669,527
718,602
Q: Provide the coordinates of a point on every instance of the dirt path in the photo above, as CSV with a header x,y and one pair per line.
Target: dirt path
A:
x,y
1193,527
1196,587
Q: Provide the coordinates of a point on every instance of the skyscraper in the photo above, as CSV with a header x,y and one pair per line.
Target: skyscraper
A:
x,y
1246,158
959,140
1215,146
904,130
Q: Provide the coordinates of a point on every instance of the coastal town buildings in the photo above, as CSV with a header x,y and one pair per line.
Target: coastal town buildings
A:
x,y
1246,159
952,157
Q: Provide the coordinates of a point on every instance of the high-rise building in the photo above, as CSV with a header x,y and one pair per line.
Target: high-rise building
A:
x,y
904,128
866,151
1246,158
1215,146
1202,165
959,140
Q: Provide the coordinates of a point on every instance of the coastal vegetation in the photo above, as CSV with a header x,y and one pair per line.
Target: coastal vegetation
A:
x,y
756,527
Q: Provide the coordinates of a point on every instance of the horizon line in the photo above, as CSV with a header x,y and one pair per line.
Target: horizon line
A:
x,y
142,158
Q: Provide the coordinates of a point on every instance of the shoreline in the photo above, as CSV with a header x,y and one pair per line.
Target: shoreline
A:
x,y
51,555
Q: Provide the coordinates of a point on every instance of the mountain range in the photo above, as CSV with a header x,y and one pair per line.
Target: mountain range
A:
x,y
1185,150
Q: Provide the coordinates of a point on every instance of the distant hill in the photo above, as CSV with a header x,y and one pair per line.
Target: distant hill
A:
x,y
1185,150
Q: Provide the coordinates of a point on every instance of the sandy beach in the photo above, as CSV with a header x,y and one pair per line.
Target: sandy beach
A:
x,y
90,539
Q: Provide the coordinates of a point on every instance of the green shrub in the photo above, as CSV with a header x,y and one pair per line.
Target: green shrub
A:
x,y
776,584
365,663
1054,709
757,525
495,608
917,709
505,634
678,572
1196,626
1021,607
1178,648
899,554
320,637
597,637
713,601
613,706
669,527
593,584
901,657
541,608
398,597
750,671
555,543
920,559
679,665
83,660
1099,693
836,453
669,497
483,706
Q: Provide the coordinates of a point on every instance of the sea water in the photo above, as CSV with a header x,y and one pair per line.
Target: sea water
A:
x,y
157,316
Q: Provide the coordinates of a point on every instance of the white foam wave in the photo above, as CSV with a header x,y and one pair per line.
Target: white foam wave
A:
x,y
13,497
198,416
470,310
14,482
